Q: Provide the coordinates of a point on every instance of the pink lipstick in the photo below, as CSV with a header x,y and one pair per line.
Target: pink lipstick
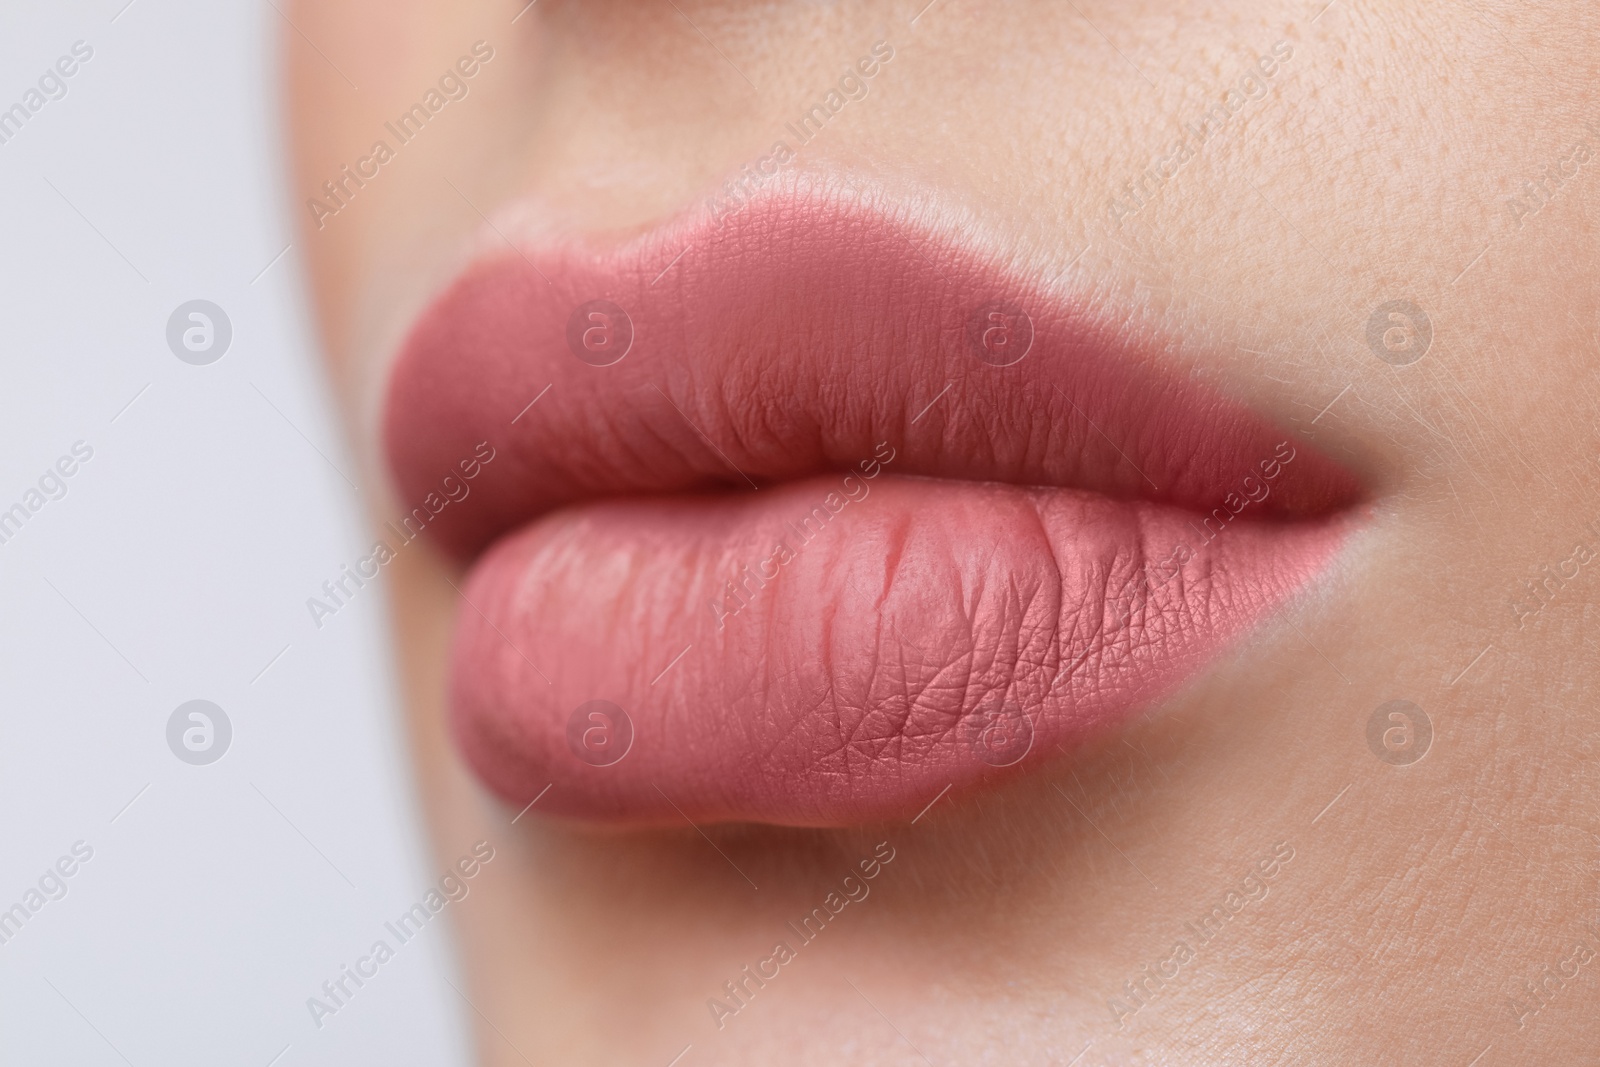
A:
x,y
803,517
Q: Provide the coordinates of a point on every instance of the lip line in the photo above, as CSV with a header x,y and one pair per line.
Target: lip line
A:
x,y
605,466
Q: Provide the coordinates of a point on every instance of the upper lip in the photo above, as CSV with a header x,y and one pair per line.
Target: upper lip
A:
x,y
795,338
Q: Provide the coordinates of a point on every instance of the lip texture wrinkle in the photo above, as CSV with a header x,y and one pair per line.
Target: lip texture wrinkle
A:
x,y
1013,563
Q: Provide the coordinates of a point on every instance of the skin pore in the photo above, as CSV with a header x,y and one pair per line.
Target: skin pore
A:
x,y
1332,906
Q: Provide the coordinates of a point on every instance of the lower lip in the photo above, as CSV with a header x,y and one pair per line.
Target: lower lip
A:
x,y
927,635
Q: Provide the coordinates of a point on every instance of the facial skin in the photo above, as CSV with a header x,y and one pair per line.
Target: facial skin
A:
x,y
1376,912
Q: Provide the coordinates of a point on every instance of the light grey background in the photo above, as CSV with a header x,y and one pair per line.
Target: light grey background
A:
x,y
177,567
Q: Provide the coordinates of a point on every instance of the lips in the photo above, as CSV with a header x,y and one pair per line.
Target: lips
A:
x,y
804,516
